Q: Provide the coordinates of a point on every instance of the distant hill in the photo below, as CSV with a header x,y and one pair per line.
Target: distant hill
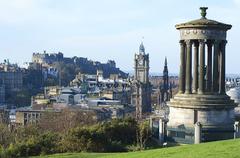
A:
x,y
219,149
83,64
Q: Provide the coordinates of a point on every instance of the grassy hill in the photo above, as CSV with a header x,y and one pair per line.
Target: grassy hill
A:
x,y
220,149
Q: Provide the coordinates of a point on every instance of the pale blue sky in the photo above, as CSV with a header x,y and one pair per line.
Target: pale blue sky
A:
x,y
109,29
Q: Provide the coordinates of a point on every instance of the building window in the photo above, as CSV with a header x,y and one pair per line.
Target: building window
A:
x,y
181,134
177,134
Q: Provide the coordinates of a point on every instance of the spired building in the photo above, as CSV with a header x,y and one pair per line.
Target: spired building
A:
x,y
141,87
165,88
201,111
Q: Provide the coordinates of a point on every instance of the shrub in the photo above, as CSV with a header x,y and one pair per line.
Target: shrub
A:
x,y
83,139
117,135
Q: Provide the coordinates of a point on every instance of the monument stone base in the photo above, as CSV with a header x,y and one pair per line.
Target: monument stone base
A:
x,y
214,112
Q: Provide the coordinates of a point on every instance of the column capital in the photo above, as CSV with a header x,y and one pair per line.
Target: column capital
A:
x,y
196,43
201,41
223,42
188,42
217,42
209,43
181,41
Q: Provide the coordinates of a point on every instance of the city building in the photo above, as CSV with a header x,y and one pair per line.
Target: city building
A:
x,y
234,94
122,95
11,81
39,102
141,87
2,94
4,115
26,116
113,108
52,91
46,58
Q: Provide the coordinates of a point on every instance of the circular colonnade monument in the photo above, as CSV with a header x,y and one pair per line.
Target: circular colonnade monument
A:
x,y
201,100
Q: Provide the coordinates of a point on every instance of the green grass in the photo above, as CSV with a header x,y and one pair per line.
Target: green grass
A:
x,y
220,149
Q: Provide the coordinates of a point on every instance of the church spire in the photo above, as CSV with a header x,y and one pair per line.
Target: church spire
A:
x,y
165,76
165,61
141,48
165,66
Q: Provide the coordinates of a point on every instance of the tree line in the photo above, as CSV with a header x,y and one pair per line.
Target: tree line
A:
x,y
117,135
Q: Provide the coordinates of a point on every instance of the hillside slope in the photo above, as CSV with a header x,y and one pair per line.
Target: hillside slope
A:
x,y
220,149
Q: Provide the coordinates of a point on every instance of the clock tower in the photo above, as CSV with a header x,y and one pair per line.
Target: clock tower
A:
x,y
141,89
141,65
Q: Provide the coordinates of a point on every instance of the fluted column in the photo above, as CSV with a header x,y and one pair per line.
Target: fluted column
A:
x,y
222,68
201,87
209,66
182,67
188,86
215,81
195,67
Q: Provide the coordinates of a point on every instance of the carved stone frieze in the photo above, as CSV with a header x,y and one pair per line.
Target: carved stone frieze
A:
x,y
202,34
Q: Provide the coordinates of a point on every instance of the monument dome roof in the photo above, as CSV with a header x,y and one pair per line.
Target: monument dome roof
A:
x,y
203,22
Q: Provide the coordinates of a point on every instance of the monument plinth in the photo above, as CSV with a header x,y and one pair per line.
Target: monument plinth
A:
x,y
201,97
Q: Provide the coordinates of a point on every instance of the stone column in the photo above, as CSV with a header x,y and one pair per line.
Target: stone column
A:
x,y
201,87
182,68
195,71
215,81
209,66
151,124
161,129
222,68
198,133
236,129
188,87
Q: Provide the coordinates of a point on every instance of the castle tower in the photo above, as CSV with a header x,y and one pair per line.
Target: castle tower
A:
x,y
201,100
141,95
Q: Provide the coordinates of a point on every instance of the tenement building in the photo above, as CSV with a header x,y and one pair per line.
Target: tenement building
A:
x,y
141,87
4,115
2,94
201,111
10,81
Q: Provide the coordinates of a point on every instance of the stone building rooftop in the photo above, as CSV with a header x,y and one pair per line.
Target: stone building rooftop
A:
x,y
234,93
203,22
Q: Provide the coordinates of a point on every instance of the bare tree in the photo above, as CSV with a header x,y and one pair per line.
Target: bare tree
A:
x,y
5,135
67,118
143,134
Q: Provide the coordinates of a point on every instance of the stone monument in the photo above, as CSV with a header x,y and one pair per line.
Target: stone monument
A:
x,y
201,99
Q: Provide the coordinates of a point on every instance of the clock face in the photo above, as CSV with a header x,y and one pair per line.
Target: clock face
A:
x,y
140,62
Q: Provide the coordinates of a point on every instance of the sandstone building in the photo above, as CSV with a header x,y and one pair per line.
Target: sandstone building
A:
x,y
141,87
